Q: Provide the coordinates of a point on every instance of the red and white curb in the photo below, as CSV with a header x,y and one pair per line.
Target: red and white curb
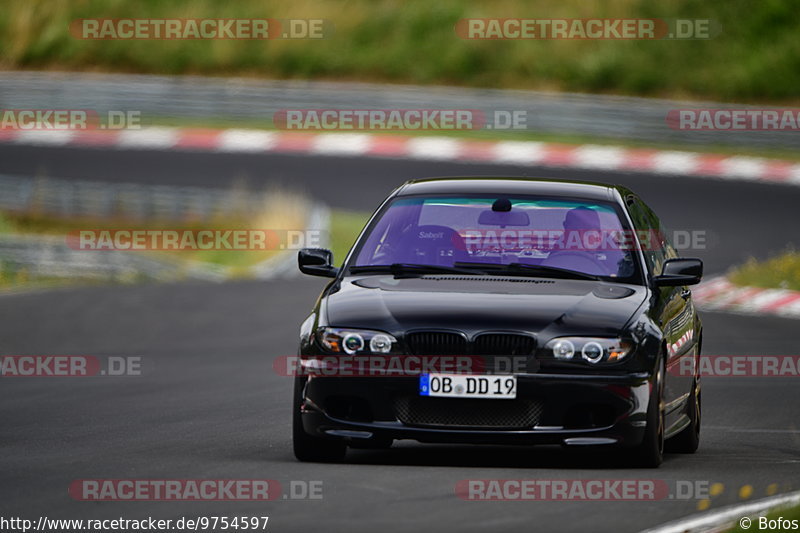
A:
x,y
527,153
719,294
743,514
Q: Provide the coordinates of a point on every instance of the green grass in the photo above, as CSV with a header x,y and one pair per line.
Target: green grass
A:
x,y
755,58
780,272
792,513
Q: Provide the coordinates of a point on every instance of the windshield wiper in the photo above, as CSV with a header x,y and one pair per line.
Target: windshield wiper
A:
x,y
526,268
565,272
406,269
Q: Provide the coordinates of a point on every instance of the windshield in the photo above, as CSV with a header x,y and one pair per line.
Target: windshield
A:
x,y
574,235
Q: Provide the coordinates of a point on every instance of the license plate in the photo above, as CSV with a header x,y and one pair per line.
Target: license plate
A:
x,y
466,386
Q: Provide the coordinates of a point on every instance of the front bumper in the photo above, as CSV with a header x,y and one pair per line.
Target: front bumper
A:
x,y
572,409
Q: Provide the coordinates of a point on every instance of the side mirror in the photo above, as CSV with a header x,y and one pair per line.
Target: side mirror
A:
x,y
680,272
317,262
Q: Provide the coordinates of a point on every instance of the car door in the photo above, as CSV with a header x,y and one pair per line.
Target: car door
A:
x,y
682,333
673,310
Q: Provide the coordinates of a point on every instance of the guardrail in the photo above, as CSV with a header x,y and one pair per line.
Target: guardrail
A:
x,y
627,118
75,198
50,256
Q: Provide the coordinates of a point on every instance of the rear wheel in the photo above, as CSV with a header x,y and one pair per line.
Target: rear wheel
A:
x,y
688,440
650,453
307,447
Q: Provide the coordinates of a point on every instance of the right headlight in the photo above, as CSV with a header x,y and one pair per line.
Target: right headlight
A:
x,y
356,341
592,350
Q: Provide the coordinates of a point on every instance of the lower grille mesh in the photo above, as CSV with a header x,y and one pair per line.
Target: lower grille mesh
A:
x,y
468,412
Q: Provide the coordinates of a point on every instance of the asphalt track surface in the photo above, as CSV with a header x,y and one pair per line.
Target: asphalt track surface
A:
x,y
209,405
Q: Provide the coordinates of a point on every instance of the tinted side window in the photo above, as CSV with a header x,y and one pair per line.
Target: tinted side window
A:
x,y
651,236
660,237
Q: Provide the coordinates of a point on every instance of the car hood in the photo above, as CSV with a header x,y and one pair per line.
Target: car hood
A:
x,y
480,303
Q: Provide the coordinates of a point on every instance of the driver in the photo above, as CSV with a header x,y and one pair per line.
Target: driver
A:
x,y
584,247
581,230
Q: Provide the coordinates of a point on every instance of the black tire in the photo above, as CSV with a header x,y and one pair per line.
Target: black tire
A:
x,y
308,448
650,453
688,440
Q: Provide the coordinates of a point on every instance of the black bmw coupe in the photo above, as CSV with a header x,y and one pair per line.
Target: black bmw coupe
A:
x,y
502,310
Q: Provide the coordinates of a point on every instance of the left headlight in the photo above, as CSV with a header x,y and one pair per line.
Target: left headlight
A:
x,y
356,341
592,350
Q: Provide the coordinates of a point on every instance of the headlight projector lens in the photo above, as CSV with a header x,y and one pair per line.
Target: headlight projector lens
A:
x,y
592,352
353,342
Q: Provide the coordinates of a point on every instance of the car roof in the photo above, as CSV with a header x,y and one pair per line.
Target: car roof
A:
x,y
510,186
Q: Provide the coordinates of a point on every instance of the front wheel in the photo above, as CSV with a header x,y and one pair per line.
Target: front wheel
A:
x,y
650,453
308,448
688,440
